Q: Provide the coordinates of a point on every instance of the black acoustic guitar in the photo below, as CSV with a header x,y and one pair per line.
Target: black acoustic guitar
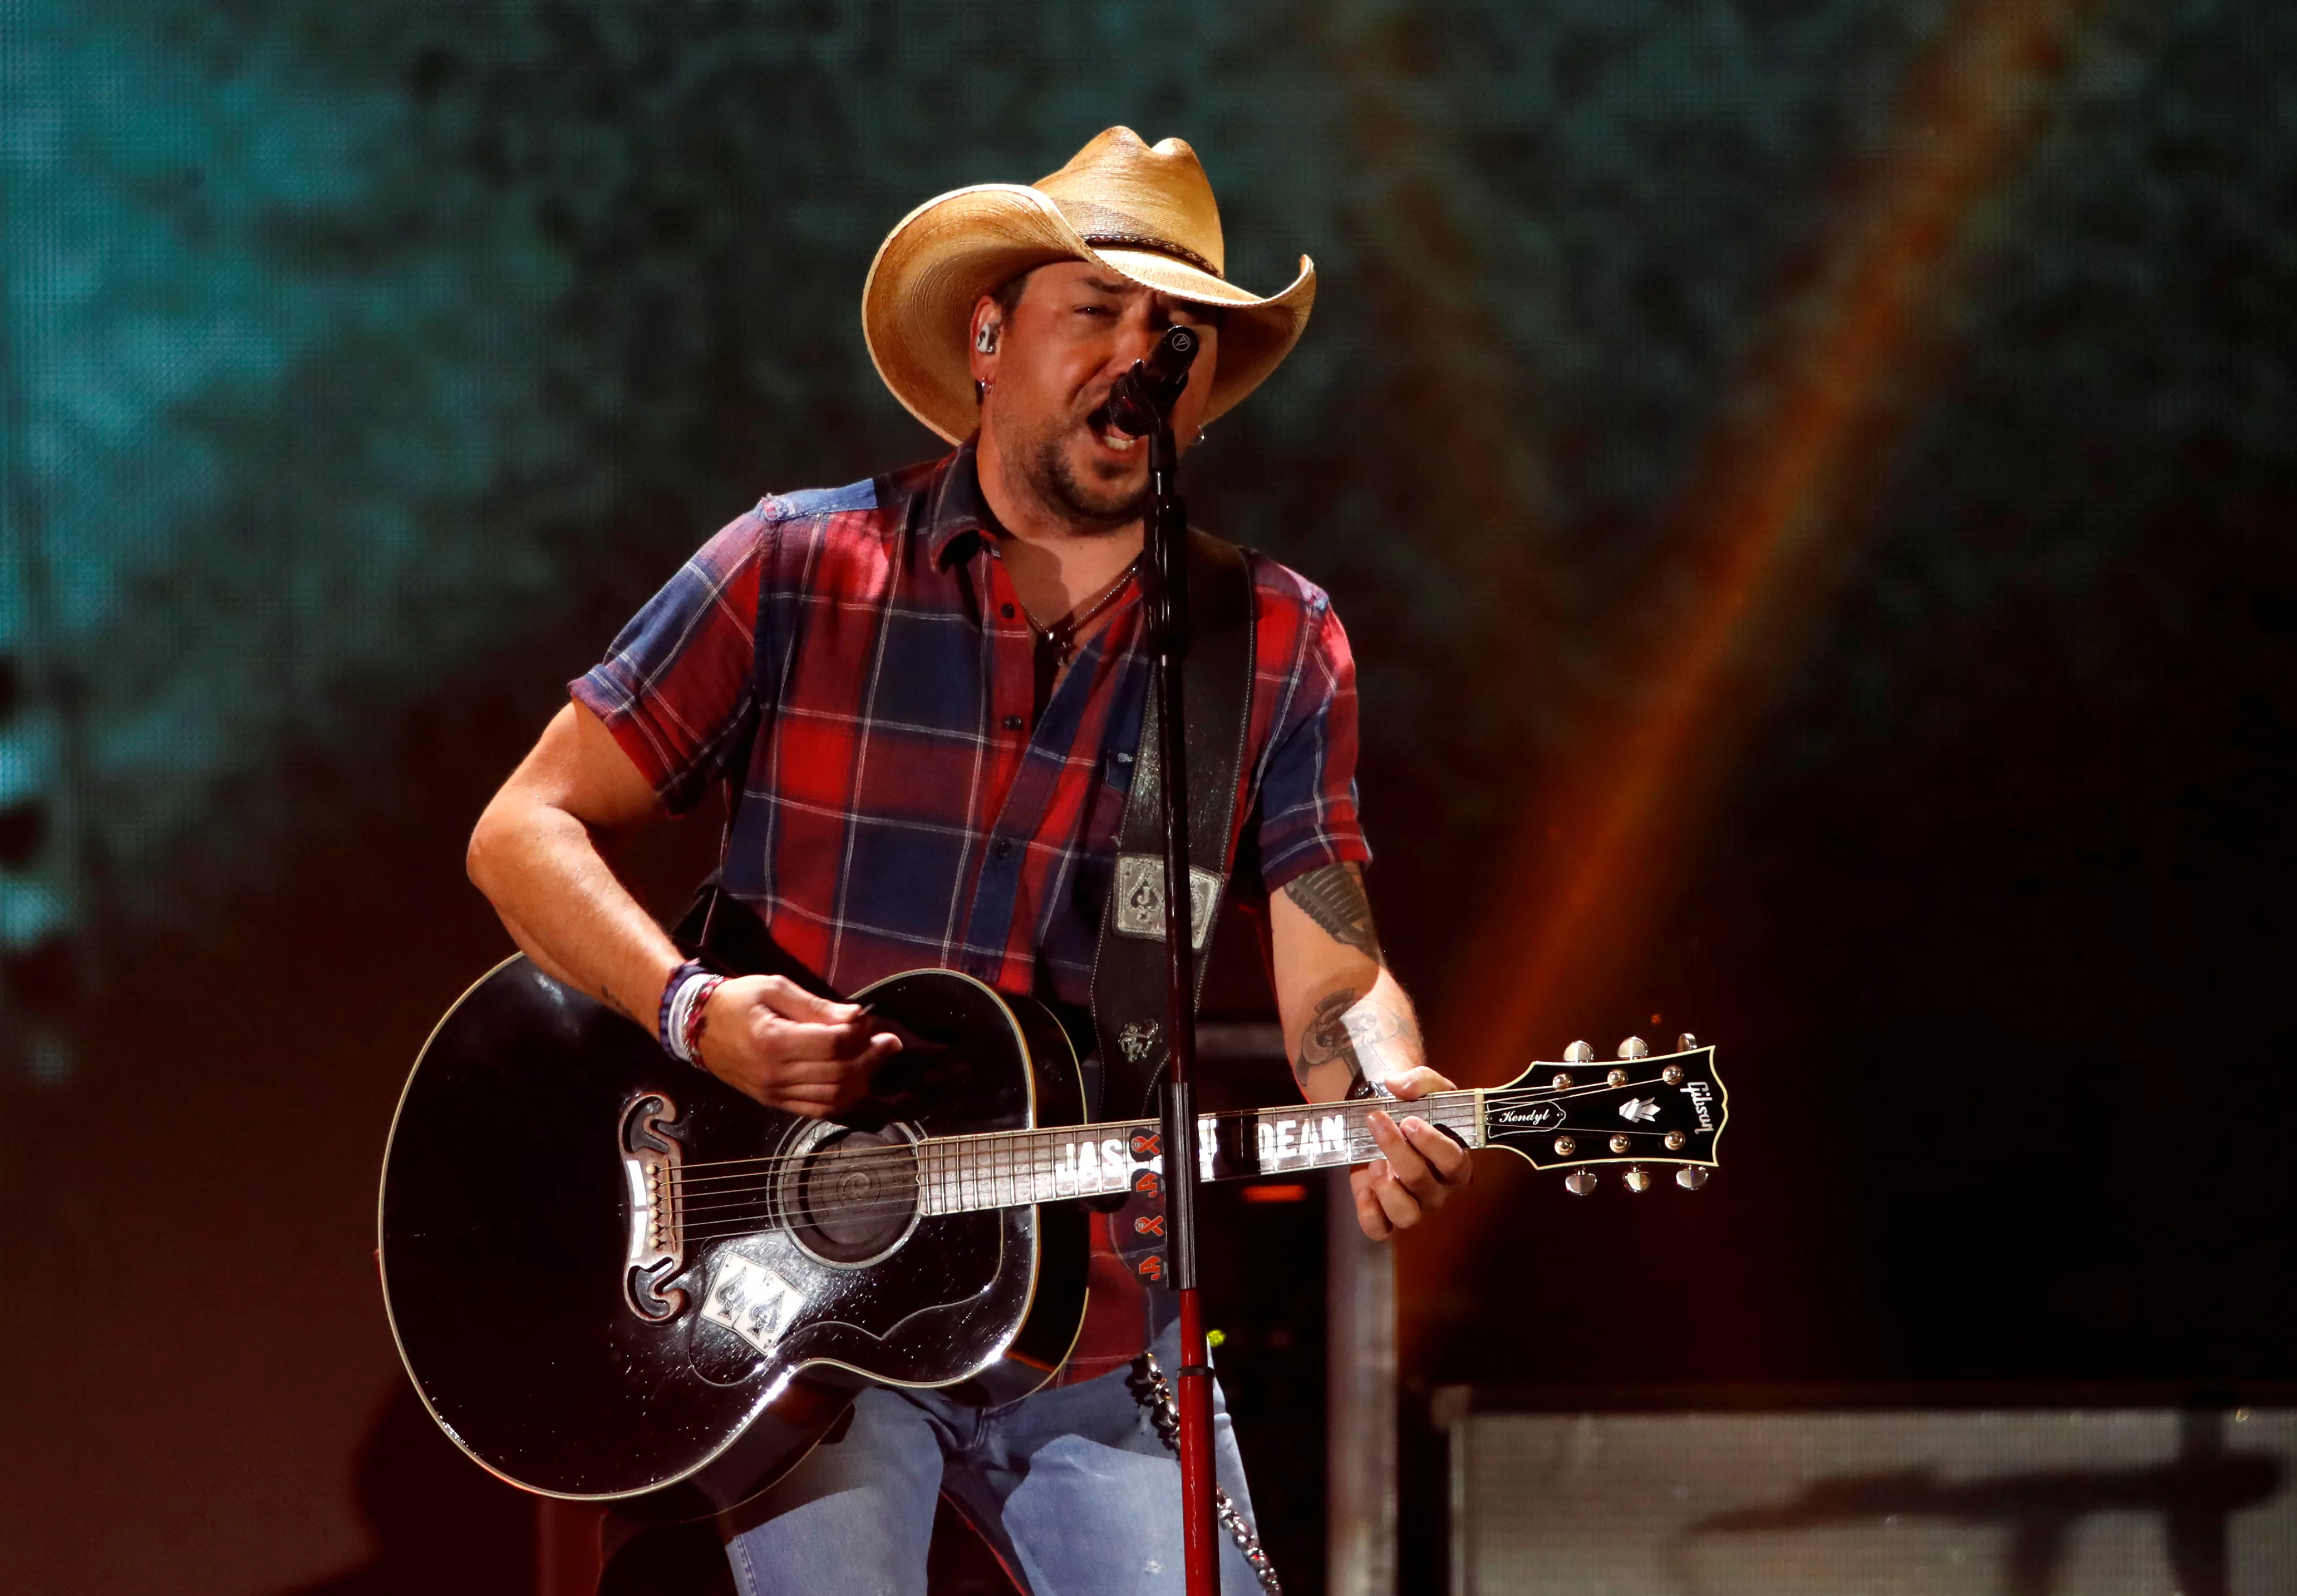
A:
x,y
613,1277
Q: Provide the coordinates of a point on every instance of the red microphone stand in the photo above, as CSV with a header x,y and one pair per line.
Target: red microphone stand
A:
x,y
1166,573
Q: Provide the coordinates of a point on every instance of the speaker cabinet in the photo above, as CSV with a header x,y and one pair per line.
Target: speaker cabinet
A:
x,y
2082,1501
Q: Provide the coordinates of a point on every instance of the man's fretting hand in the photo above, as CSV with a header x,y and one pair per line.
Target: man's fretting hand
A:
x,y
1422,1164
789,1050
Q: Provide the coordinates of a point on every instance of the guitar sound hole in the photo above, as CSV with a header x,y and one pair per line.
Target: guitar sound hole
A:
x,y
853,1196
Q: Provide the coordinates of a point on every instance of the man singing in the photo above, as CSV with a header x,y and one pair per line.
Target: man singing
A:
x,y
924,693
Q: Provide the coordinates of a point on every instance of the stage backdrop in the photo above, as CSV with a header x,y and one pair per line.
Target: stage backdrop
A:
x,y
1810,488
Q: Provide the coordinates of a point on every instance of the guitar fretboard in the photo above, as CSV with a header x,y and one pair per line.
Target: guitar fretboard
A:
x,y
1004,1169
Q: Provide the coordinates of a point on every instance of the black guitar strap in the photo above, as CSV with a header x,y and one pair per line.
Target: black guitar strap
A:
x,y
1129,977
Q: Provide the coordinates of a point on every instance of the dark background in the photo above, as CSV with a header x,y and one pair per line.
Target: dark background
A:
x,y
1810,487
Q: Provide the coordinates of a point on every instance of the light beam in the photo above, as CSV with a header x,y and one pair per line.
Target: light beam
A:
x,y
1761,509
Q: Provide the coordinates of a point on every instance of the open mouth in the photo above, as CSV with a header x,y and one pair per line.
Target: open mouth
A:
x,y
1097,424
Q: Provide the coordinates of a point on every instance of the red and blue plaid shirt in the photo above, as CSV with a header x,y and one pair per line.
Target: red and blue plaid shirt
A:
x,y
858,661
855,664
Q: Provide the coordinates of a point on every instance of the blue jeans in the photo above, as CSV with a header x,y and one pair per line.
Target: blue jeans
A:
x,y
1071,1488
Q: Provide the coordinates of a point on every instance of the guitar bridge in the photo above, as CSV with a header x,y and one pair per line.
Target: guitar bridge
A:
x,y
651,1164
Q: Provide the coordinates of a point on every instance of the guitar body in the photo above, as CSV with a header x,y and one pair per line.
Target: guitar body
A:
x,y
579,1337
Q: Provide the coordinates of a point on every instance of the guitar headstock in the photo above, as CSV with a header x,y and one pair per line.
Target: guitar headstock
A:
x,y
1642,1109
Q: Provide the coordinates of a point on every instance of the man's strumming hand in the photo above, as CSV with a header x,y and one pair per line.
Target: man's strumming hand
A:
x,y
775,1040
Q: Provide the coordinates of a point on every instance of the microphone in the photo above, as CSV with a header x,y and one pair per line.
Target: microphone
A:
x,y
1145,395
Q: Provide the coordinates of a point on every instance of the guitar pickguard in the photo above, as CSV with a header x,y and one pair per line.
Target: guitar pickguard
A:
x,y
755,1302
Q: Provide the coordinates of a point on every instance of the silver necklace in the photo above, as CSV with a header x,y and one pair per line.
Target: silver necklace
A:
x,y
1062,634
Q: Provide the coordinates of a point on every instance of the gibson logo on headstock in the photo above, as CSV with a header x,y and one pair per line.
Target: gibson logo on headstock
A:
x,y
1535,1116
1702,1103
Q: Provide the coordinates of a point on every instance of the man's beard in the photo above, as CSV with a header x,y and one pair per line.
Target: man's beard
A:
x,y
1046,468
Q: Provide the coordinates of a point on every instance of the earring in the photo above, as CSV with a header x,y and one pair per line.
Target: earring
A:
x,y
985,340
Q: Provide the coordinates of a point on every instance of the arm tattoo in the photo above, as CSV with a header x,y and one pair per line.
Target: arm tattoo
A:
x,y
1334,898
1343,1030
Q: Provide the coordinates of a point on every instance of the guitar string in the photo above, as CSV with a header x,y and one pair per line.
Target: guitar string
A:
x,y
1492,1094
772,1214
982,1143
938,1158
1124,1127
1025,1184
938,1163
1021,1176
1502,1096
1125,1130
975,1157
991,1183
1016,1180
737,1212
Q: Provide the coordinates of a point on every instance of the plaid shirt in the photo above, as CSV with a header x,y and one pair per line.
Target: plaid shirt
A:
x,y
858,661
861,655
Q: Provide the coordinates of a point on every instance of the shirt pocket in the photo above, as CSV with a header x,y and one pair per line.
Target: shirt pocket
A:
x,y
1110,794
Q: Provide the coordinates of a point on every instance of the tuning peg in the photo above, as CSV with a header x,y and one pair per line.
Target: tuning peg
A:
x,y
1685,1042
1638,1181
1690,1177
1634,1046
1579,1182
1578,1052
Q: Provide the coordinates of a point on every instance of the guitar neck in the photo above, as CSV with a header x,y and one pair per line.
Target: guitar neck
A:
x,y
1006,1169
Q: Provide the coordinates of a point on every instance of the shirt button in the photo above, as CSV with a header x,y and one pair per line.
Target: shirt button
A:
x,y
1003,848
1013,723
1007,612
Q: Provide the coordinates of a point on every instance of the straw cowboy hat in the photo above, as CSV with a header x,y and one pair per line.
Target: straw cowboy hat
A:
x,y
1144,213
